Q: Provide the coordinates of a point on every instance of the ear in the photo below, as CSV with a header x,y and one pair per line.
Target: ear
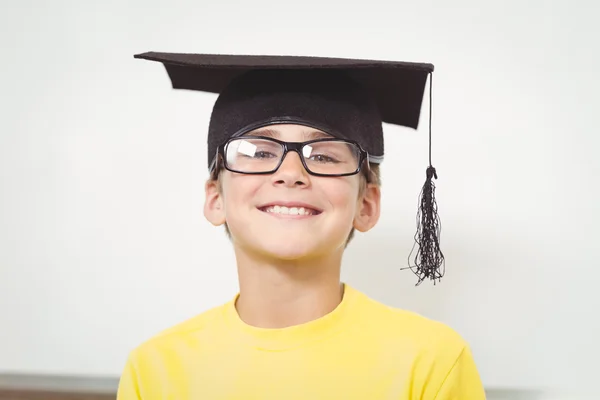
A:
x,y
214,206
369,208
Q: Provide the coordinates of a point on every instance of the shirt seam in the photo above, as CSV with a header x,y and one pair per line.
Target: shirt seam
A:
x,y
449,372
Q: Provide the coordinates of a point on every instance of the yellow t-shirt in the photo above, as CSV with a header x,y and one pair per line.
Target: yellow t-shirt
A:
x,y
361,350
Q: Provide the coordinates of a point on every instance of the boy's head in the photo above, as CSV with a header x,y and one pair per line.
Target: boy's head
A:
x,y
291,180
290,212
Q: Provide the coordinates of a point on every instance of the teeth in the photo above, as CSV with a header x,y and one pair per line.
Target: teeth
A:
x,y
289,211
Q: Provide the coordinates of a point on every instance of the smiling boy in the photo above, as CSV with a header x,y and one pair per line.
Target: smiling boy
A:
x,y
294,150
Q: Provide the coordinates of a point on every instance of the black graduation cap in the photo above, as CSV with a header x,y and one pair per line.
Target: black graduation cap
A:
x,y
346,98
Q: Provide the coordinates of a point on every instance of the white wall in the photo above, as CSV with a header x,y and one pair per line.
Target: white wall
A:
x,y
102,238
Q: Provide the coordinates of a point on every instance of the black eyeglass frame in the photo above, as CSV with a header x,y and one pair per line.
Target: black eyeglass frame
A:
x,y
297,147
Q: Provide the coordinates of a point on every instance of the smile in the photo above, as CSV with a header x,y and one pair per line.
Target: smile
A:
x,y
295,210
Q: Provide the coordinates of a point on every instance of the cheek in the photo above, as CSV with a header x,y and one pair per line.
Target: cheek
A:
x,y
239,191
342,195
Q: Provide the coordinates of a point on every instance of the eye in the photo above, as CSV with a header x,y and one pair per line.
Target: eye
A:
x,y
264,154
322,158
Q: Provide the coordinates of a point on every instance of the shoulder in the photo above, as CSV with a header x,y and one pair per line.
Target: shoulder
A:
x,y
410,329
166,351
437,357
196,329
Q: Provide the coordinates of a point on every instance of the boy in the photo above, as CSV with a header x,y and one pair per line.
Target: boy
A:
x,y
294,146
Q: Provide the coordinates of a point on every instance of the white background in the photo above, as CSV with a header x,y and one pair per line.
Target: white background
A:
x,y
102,165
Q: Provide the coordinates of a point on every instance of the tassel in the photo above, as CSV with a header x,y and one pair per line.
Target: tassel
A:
x,y
429,261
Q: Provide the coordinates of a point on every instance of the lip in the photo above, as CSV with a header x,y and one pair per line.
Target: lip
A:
x,y
290,204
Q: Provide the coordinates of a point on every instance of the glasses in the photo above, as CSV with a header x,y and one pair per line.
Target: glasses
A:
x,y
263,155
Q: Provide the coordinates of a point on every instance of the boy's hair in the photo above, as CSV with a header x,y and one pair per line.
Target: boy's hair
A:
x,y
371,174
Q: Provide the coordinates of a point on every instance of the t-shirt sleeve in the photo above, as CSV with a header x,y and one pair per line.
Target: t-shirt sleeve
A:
x,y
128,384
463,381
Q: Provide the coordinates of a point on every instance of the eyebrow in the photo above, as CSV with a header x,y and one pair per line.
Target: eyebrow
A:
x,y
274,133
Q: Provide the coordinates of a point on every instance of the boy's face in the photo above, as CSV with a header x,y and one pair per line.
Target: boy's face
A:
x,y
336,205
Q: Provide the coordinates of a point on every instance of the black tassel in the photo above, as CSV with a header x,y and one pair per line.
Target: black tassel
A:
x,y
429,259
429,262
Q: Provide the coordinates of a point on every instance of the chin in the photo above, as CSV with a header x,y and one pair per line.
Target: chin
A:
x,y
290,242
289,250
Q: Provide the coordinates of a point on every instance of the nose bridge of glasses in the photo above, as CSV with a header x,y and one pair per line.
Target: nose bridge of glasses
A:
x,y
295,151
296,147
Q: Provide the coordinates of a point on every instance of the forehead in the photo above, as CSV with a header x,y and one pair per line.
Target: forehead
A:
x,y
290,132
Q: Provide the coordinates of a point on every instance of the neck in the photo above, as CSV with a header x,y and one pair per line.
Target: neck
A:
x,y
280,293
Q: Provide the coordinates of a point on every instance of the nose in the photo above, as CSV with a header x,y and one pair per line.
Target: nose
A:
x,y
291,172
